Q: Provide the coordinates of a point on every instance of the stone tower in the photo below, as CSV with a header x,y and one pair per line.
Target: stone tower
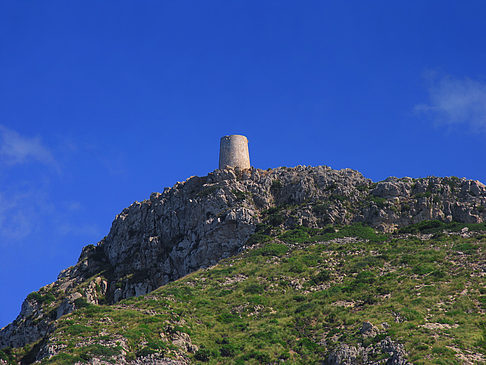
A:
x,y
233,152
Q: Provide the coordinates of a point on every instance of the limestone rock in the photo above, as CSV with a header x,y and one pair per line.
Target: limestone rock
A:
x,y
196,223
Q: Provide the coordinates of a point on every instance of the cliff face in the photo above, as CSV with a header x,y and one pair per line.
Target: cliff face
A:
x,y
196,223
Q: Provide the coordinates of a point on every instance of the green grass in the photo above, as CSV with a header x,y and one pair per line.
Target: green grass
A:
x,y
436,226
304,234
295,292
42,297
7,356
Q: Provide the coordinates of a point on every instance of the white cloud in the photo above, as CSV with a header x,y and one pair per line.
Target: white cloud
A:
x,y
17,149
29,210
19,214
24,199
29,204
457,102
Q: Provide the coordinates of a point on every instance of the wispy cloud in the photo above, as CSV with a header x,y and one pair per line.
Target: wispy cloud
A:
x,y
24,198
20,213
17,149
454,101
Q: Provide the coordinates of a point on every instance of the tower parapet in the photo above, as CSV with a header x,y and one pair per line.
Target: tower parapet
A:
x,y
233,152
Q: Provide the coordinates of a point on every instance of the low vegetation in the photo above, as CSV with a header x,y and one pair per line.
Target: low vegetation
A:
x,y
296,296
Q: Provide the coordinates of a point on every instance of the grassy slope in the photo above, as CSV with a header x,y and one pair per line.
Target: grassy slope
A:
x,y
296,301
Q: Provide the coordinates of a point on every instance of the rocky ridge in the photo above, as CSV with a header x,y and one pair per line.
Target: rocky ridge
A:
x,y
196,223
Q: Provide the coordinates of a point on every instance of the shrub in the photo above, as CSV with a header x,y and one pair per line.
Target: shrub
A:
x,y
299,298
436,226
260,357
78,329
227,350
41,298
203,355
275,219
306,307
6,355
379,201
254,289
88,352
271,249
228,317
258,238
81,303
482,341
145,351
443,351
321,277
432,226
308,344
240,195
276,185
207,190
296,235
426,194
366,277
423,269
466,247
320,209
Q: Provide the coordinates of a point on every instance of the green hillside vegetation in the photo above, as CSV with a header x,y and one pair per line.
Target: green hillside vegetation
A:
x,y
296,296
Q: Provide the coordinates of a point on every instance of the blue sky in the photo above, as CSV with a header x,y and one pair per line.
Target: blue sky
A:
x,y
102,103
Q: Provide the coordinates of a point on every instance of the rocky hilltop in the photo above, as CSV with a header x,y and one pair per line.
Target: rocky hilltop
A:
x,y
200,221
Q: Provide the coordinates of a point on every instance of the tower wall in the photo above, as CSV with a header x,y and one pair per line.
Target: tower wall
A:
x,y
233,152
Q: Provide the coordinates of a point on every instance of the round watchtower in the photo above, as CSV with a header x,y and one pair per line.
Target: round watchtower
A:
x,y
233,152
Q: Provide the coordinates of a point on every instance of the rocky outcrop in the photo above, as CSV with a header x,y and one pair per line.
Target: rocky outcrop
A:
x,y
196,223
384,351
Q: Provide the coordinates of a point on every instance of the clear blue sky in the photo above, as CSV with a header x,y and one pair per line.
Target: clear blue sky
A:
x,y
104,102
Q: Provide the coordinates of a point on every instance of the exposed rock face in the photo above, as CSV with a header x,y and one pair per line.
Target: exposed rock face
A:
x,y
196,223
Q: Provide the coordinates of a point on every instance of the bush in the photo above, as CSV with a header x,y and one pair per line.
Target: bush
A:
x,y
379,201
436,226
90,351
6,355
426,194
296,235
41,298
271,249
443,351
275,219
306,307
320,209
466,247
260,357
321,277
295,265
258,238
366,277
78,329
228,318
81,303
203,355
254,289
432,226
276,185
227,350
145,352
423,269
240,195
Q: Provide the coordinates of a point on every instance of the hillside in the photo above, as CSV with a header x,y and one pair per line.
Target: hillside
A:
x,y
350,296
329,266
